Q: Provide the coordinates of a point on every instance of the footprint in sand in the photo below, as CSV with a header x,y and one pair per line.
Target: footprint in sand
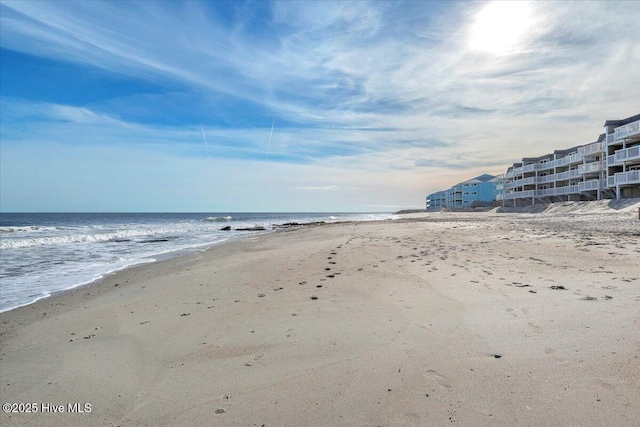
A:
x,y
440,379
618,395
551,352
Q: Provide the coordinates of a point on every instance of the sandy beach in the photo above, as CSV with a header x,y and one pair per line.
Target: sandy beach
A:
x,y
435,319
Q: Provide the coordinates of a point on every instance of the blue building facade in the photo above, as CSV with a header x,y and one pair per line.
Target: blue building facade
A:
x,y
437,201
479,191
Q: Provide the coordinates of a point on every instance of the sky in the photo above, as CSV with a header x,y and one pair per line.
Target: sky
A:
x,y
166,106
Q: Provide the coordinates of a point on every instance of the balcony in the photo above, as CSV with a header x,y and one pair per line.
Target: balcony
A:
x,y
627,154
593,167
591,185
559,191
573,173
529,168
626,131
571,158
574,158
545,165
519,194
587,150
546,192
624,178
524,181
527,193
569,189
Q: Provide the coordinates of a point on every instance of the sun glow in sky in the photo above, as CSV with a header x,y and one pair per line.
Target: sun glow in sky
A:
x,y
500,26
170,106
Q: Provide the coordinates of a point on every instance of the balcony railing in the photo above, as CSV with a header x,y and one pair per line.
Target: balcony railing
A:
x,y
611,181
587,150
631,177
545,165
529,168
626,154
626,131
524,181
519,194
593,184
545,192
592,167
571,158
569,189
574,158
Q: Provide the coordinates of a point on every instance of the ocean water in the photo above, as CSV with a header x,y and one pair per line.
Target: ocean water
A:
x,y
44,253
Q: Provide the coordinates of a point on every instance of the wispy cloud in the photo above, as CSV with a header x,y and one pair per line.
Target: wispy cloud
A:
x,y
382,89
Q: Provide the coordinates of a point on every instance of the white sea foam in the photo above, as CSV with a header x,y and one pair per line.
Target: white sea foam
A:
x,y
53,253
218,218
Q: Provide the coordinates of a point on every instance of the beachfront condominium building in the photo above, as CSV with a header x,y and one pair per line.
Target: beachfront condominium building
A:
x,y
478,191
437,201
606,168
623,156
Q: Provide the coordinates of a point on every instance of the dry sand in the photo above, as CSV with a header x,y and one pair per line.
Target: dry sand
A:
x,y
432,320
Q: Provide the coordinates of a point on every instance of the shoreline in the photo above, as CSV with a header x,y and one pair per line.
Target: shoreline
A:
x,y
112,277
408,319
104,243
159,257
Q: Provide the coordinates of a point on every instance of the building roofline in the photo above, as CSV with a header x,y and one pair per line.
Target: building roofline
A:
x,y
534,159
622,121
567,150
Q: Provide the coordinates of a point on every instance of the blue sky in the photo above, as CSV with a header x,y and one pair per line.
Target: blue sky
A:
x,y
170,106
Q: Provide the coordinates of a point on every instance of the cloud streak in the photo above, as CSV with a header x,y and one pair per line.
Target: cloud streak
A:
x,y
373,88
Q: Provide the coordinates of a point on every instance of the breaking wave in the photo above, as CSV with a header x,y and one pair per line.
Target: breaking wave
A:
x,y
218,218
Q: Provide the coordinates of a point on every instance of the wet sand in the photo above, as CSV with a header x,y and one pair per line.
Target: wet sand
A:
x,y
469,319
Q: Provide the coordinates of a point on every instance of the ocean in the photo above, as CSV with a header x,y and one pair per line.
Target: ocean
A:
x,y
45,253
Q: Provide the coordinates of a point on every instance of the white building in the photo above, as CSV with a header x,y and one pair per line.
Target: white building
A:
x,y
623,156
606,168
